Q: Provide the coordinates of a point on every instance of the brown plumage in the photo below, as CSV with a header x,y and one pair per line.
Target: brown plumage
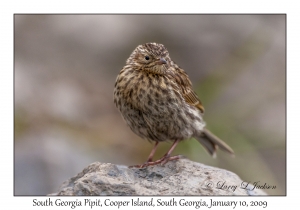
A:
x,y
156,99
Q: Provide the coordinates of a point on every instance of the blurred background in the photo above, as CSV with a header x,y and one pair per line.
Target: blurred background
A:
x,y
66,66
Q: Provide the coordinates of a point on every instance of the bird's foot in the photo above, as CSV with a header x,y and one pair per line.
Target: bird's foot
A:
x,y
168,158
161,161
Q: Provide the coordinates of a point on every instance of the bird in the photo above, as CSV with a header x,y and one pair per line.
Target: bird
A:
x,y
156,99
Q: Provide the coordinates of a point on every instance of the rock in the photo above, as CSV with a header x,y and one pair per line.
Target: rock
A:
x,y
179,177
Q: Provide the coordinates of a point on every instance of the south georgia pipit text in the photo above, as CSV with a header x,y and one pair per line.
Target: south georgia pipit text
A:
x,y
145,202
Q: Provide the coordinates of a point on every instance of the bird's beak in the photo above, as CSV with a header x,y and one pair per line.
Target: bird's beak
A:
x,y
161,61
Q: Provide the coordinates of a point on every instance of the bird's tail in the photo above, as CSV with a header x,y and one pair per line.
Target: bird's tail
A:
x,y
211,143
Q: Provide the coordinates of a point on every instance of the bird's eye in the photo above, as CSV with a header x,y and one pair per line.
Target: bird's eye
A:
x,y
147,57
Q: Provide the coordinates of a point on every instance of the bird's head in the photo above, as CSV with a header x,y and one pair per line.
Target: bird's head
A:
x,y
150,57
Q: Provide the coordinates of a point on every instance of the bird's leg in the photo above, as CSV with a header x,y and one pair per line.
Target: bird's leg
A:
x,y
152,152
162,160
149,160
167,157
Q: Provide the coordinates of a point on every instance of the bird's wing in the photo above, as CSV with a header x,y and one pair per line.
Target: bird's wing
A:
x,y
192,99
184,87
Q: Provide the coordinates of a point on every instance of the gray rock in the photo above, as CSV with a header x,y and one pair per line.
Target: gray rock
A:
x,y
180,177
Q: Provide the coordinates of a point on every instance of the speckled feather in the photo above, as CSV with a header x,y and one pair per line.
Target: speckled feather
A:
x,y
156,99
